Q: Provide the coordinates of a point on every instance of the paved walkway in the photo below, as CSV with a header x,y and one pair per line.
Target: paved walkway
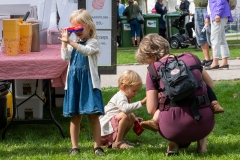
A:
x,y
232,74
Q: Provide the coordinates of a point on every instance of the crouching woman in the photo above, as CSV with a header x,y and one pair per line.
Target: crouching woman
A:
x,y
176,122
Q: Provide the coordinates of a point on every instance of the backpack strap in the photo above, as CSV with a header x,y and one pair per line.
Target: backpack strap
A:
x,y
198,100
194,104
197,60
197,66
154,76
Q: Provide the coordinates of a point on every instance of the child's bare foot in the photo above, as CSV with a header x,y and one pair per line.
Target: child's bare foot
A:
x,y
216,107
150,124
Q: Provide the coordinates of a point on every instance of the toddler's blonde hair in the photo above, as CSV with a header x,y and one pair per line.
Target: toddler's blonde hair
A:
x,y
129,78
83,17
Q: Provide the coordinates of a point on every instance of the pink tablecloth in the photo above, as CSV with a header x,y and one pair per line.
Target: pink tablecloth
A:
x,y
46,64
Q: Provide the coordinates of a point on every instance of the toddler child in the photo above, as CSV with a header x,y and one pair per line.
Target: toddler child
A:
x,y
119,117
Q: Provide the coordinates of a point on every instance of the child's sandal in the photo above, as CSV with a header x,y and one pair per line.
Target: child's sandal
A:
x,y
121,145
98,151
74,151
129,143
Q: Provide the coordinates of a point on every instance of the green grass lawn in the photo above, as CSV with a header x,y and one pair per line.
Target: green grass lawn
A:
x,y
44,141
126,55
38,142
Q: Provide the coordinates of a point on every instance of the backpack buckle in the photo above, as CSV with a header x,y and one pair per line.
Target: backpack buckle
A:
x,y
200,100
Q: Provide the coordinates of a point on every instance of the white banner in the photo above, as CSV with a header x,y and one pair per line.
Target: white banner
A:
x,y
101,11
104,38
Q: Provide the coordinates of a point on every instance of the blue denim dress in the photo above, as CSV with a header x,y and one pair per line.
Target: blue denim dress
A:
x,y
80,97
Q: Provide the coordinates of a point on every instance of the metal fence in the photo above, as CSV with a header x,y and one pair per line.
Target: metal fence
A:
x,y
232,29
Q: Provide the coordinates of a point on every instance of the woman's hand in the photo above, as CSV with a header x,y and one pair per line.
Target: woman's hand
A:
x,y
207,22
65,35
144,101
217,18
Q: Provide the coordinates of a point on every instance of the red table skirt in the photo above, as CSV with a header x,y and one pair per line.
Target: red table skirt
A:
x,y
46,64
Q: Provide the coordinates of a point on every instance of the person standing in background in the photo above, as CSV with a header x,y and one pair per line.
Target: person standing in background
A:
x,y
218,14
184,7
190,26
131,12
121,8
202,35
118,25
162,10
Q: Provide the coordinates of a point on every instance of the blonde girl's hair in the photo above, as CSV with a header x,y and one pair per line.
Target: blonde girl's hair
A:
x,y
83,17
129,78
152,45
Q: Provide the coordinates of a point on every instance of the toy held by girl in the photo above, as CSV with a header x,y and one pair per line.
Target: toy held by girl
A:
x,y
82,89
119,117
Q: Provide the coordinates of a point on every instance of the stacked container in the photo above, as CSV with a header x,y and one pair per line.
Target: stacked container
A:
x,y
25,37
11,36
33,107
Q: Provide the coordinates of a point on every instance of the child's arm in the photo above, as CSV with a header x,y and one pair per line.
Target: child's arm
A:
x,y
66,50
124,106
144,100
92,47
66,53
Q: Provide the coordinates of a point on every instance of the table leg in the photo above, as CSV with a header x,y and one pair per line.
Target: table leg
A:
x,y
50,108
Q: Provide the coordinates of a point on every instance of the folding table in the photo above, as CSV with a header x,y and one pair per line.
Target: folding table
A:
x,y
46,64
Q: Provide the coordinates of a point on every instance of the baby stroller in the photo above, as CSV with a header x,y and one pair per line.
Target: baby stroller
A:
x,y
179,39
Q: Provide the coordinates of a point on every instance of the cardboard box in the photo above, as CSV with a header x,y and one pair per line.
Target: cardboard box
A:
x,y
26,87
31,109
52,37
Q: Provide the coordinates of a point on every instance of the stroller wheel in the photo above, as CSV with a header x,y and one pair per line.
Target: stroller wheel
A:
x,y
174,43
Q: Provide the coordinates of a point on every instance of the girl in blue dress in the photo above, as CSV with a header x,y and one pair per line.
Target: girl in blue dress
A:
x,y
82,89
